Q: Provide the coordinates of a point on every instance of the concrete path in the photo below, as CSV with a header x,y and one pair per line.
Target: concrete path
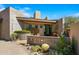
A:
x,y
12,48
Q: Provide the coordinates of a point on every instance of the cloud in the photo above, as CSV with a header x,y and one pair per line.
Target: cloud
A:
x,y
27,8
24,11
73,15
76,14
2,7
26,14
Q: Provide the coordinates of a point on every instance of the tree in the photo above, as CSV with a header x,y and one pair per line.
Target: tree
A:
x,y
46,18
70,20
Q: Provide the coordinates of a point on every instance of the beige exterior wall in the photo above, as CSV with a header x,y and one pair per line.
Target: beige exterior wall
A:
x,y
60,25
5,24
41,31
74,33
53,28
9,22
14,24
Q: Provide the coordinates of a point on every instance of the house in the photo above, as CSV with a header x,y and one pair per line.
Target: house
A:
x,y
12,20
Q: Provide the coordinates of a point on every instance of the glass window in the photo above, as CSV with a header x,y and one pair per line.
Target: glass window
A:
x,y
36,26
41,26
30,26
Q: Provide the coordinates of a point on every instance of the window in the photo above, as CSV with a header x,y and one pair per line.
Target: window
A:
x,y
41,26
36,26
30,26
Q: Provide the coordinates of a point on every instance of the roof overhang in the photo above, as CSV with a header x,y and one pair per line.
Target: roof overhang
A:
x,y
34,21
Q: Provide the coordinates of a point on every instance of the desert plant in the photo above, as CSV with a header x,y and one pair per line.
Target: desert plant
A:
x,y
14,36
63,46
45,47
22,31
36,48
70,20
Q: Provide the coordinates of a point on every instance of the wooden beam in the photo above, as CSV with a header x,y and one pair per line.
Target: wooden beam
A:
x,y
36,22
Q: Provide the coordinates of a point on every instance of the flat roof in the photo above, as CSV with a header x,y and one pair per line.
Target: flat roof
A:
x,y
32,19
35,21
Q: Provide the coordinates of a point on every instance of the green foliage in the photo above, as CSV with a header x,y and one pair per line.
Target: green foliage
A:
x,y
22,31
46,18
63,46
14,36
45,47
36,48
70,20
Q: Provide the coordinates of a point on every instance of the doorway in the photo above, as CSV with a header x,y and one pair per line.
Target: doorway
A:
x,y
48,30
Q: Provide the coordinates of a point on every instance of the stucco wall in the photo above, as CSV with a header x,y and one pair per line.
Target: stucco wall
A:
x,y
42,39
9,22
74,33
60,26
14,24
5,24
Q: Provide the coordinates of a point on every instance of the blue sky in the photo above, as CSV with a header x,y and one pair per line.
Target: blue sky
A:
x,y
53,11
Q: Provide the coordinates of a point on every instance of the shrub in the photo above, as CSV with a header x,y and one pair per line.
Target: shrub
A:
x,y
45,47
36,48
63,46
14,36
22,31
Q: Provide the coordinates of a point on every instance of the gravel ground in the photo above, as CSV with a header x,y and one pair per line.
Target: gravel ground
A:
x,y
12,48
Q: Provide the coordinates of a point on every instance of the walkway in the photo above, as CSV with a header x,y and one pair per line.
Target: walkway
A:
x,y
12,48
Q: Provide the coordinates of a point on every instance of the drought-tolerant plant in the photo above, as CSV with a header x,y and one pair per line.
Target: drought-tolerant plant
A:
x,y
14,36
70,20
36,48
45,47
63,46
22,31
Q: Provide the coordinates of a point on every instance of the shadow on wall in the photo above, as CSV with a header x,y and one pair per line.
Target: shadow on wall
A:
x,y
2,39
74,46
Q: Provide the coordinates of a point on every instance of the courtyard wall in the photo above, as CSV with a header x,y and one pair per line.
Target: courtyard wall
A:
x,y
74,33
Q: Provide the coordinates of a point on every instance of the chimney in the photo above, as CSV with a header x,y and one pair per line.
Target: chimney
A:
x,y
37,15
